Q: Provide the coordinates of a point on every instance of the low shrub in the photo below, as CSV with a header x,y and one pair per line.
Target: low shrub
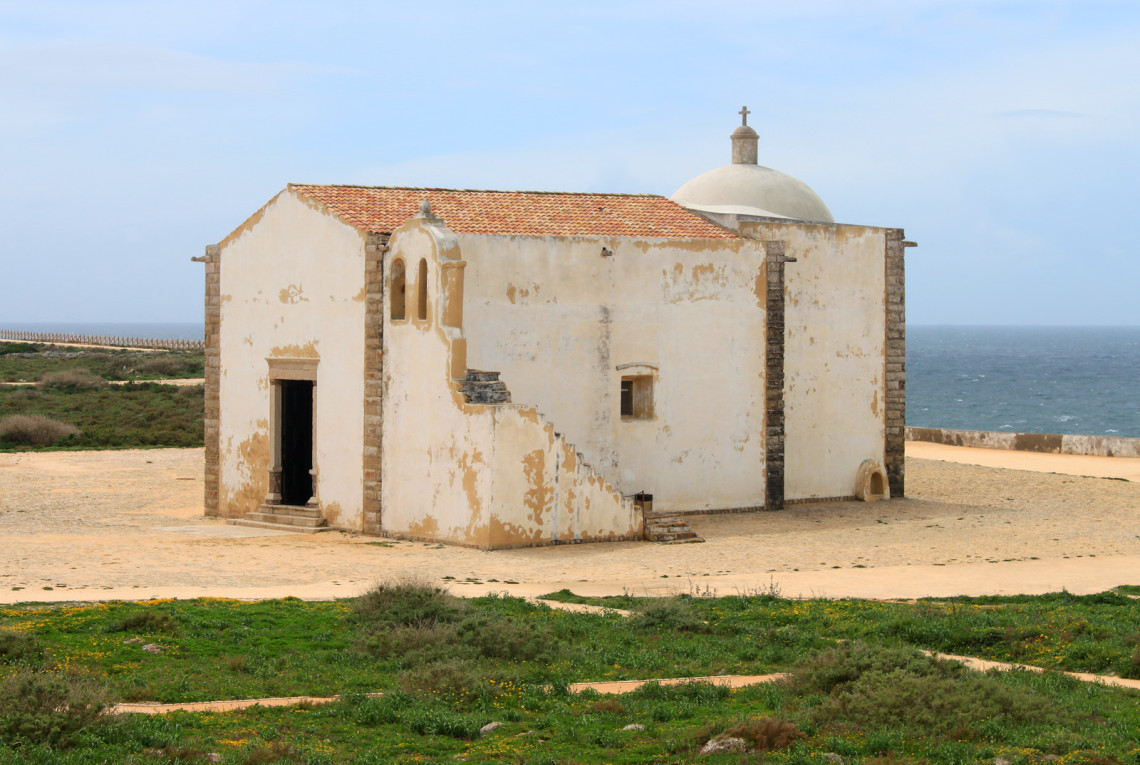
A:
x,y
190,391
48,708
765,734
668,615
34,430
170,366
278,751
405,602
17,648
146,621
605,707
901,689
454,681
10,348
71,380
442,722
373,710
504,638
410,645
835,668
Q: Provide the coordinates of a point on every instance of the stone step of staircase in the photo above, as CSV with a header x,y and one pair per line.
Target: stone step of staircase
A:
x,y
285,518
279,526
668,528
291,510
481,387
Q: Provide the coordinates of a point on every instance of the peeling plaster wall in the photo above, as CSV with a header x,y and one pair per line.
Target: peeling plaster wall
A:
x,y
292,287
481,475
557,317
835,314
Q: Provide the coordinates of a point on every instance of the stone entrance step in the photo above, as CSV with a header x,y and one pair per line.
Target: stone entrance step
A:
x,y
304,520
669,528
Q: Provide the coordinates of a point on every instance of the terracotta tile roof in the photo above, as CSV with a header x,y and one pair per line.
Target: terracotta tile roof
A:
x,y
380,209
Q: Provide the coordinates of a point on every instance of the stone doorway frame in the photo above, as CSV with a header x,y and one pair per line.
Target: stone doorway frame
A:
x,y
283,369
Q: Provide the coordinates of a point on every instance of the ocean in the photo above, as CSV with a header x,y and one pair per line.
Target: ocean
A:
x,y
1083,380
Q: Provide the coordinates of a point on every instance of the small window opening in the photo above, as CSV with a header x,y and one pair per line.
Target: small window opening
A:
x,y
421,289
637,397
627,397
399,291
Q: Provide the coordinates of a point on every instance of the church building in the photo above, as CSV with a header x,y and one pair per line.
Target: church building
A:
x,y
506,368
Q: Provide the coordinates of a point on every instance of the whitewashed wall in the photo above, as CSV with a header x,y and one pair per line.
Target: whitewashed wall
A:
x,y
557,317
481,475
292,284
835,314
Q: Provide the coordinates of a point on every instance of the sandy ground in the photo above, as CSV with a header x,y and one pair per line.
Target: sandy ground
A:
x,y
1127,468
180,381
128,525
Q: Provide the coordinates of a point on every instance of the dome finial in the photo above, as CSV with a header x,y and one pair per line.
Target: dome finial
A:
x,y
744,141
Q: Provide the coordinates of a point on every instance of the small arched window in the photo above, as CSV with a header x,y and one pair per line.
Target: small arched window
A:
x,y
421,291
398,291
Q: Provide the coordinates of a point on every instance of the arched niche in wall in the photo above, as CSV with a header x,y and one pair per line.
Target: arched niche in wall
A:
x,y
397,290
422,291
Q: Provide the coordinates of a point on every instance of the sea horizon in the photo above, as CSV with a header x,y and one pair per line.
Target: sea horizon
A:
x,y
1067,379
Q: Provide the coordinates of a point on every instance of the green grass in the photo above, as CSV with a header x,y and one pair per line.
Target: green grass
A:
x,y
122,416
24,362
1092,633
448,666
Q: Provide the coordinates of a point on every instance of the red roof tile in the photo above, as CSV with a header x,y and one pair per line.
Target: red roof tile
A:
x,y
380,209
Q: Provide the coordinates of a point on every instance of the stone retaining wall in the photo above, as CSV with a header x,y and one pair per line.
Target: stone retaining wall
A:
x,y
1050,443
115,342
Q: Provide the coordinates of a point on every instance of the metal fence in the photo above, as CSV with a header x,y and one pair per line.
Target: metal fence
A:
x,y
103,340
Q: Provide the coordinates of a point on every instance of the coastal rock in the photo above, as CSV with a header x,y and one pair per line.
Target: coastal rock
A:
x,y
726,744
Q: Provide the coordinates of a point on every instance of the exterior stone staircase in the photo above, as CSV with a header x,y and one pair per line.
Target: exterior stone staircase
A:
x,y
484,388
668,528
303,520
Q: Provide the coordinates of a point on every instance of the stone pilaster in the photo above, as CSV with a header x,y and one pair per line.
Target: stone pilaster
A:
x,y
895,363
213,376
375,247
774,377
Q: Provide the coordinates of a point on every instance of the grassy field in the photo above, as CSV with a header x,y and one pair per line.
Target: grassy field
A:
x,y
29,362
447,667
73,406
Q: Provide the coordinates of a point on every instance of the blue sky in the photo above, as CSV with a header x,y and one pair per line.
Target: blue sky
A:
x,y
1003,136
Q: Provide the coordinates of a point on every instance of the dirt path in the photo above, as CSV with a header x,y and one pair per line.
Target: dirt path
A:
x,y
180,381
128,525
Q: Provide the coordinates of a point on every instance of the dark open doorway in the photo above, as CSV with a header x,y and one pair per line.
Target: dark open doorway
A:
x,y
296,441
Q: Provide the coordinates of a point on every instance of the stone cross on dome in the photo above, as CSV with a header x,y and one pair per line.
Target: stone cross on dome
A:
x,y
744,141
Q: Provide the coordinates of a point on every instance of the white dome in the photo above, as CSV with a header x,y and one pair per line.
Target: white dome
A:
x,y
747,188
753,190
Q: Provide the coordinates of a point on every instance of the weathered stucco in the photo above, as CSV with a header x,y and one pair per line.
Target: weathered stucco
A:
x,y
563,322
834,353
474,474
289,277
